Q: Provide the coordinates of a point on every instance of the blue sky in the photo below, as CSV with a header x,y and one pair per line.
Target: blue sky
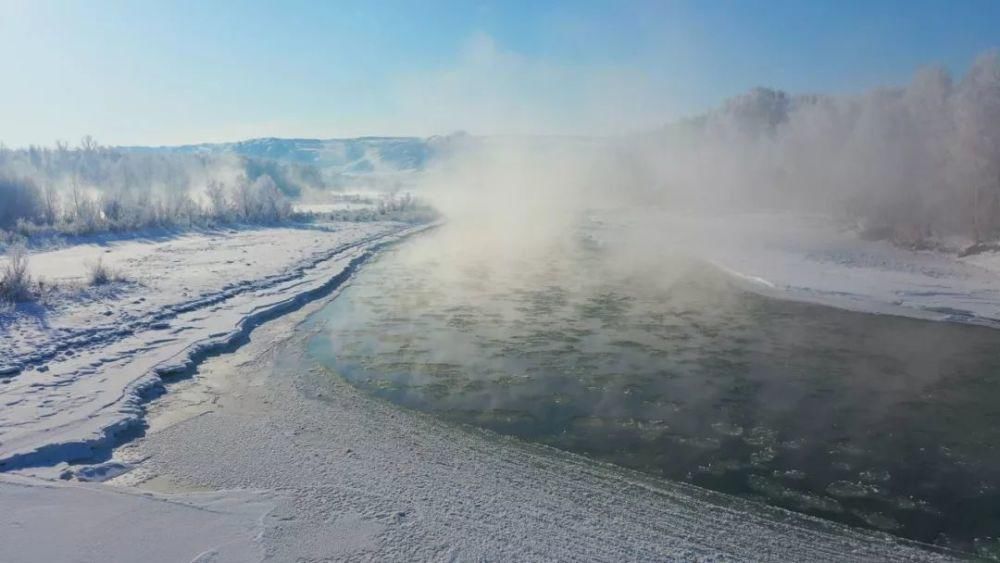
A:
x,y
186,71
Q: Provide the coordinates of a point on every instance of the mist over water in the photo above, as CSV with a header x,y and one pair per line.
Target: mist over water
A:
x,y
847,416
565,302
910,163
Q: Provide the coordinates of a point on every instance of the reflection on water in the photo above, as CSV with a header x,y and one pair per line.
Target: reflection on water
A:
x,y
871,420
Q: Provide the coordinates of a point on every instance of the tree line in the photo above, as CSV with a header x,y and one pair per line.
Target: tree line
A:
x,y
907,164
91,188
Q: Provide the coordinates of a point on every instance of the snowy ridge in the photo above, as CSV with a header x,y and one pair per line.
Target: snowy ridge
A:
x,y
66,408
362,155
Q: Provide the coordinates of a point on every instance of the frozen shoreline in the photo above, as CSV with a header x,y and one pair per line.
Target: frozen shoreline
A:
x,y
809,259
78,372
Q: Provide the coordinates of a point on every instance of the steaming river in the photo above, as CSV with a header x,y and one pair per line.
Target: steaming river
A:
x,y
875,421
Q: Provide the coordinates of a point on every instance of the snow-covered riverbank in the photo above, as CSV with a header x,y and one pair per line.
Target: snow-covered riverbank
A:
x,y
77,370
809,258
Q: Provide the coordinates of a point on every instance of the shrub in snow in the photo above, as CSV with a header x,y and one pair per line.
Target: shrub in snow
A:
x,y
101,274
45,290
15,282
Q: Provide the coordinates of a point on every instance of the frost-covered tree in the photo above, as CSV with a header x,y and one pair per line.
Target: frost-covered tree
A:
x,y
260,201
903,163
977,112
273,205
90,187
219,207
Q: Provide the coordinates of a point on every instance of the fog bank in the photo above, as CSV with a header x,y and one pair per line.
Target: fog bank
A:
x,y
911,163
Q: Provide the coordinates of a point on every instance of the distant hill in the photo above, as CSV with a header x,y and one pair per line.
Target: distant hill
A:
x,y
363,155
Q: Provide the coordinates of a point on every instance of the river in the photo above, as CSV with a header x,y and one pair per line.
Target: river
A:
x,y
871,420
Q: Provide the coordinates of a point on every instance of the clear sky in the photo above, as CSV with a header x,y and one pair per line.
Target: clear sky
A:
x,y
179,71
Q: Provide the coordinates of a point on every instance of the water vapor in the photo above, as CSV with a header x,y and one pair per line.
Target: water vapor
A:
x,y
911,164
